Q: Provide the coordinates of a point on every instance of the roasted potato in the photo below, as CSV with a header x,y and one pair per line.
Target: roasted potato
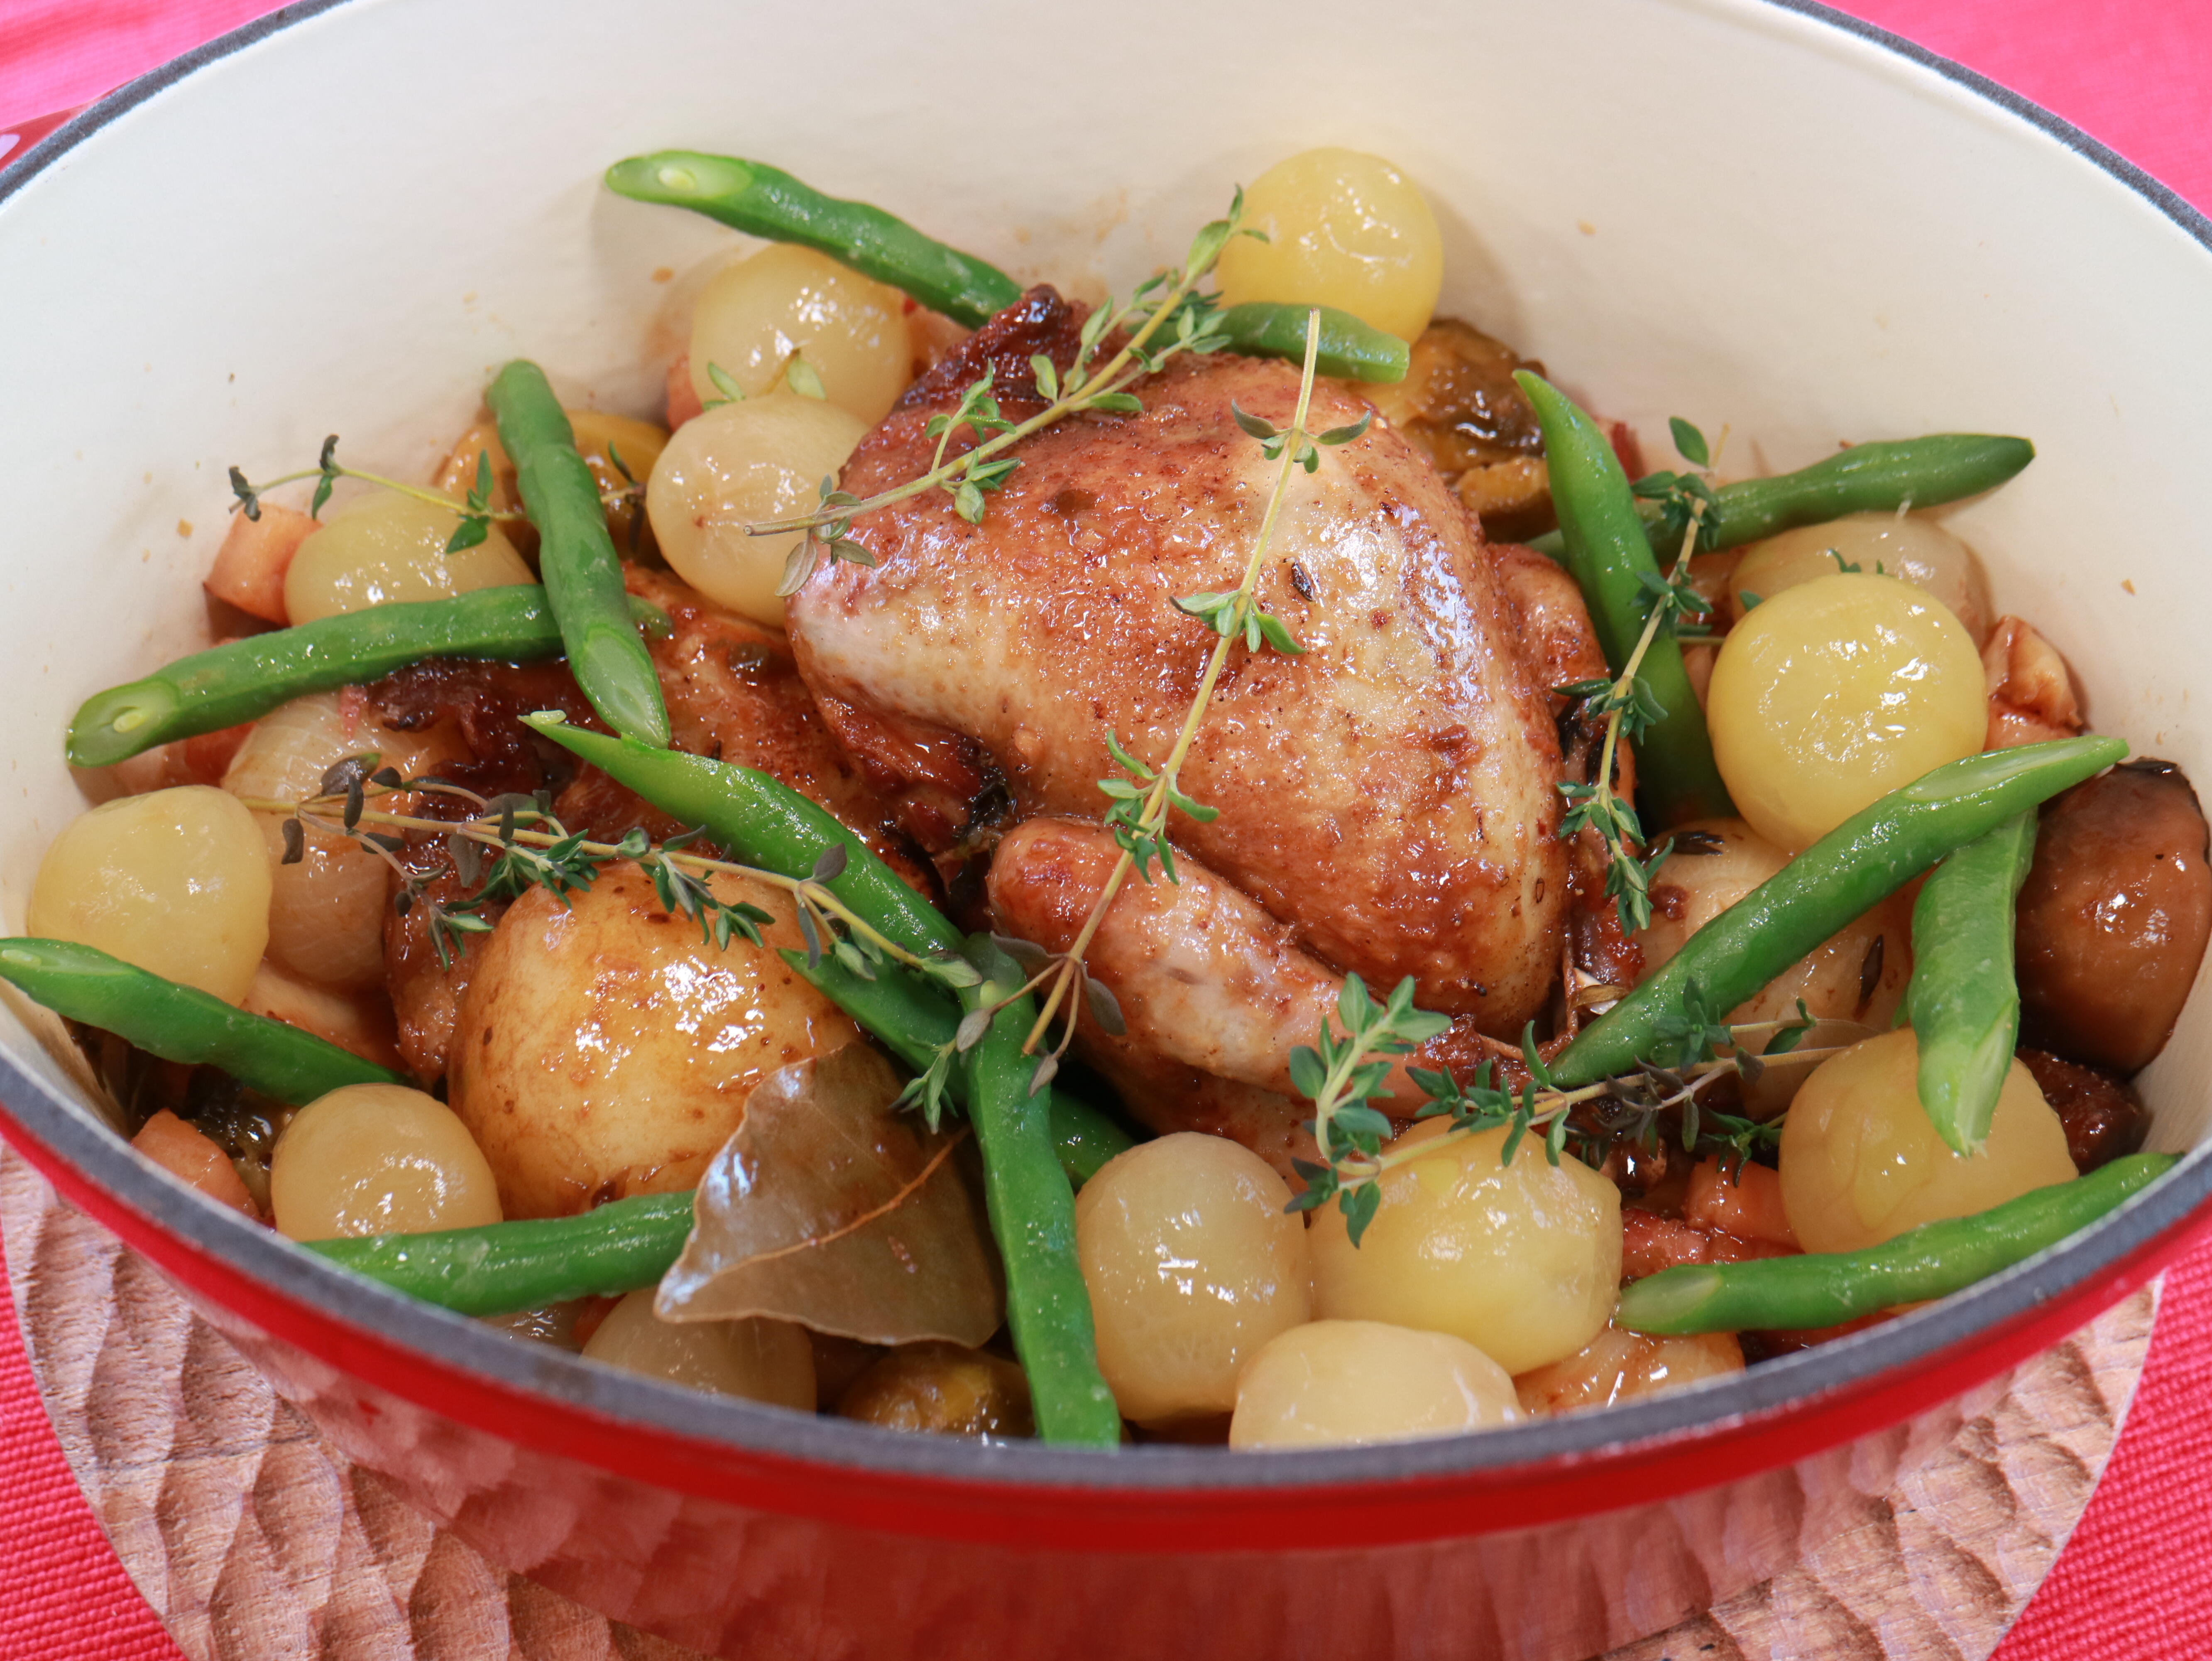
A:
x,y
605,1050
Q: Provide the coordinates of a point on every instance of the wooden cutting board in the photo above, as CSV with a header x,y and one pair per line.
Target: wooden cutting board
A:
x,y
256,1540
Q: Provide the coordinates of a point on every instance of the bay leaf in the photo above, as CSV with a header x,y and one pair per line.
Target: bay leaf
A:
x,y
831,1207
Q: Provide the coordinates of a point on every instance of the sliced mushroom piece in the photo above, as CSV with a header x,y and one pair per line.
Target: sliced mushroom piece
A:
x,y
945,1389
2102,1117
1459,402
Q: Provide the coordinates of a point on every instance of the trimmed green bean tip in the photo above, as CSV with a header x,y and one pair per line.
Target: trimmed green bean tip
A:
x,y
766,202
243,680
1822,1289
180,1023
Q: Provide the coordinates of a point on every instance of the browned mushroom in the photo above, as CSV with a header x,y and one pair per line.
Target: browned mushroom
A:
x,y
2102,1119
1459,404
2114,917
944,1388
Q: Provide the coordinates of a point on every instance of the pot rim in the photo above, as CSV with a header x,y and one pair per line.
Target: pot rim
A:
x,y
2151,1224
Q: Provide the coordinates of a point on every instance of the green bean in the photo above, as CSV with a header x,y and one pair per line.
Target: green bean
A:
x,y
619,1247
1083,1137
1824,1289
1963,1000
1349,349
244,679
502,1268
1032,1211
1864,860
912,1017
575,556
767,201
1866,479
763,822
182,1023
1613,564
914,1021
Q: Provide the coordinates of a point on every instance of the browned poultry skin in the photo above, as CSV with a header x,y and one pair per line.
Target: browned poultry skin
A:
x,y
734,694
1555,631
1168,1095
1388,796
1205,978
1216,992
1202,974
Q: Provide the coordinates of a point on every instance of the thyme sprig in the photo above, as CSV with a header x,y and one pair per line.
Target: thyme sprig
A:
x,y
529,848
1163,317
1144,797
1344,1073
1340,1074
1685,499
1626,702
476,514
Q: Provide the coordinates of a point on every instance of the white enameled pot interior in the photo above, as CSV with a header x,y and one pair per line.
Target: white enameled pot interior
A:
x,y
1715,208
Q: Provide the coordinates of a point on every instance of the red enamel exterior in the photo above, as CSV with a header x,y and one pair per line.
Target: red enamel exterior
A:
x,y
1400,1509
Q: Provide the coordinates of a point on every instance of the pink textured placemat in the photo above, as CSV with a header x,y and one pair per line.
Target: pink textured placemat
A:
x,y
2131,1583
58,54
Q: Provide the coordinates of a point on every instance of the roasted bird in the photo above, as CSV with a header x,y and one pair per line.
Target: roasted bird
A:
x,y
1386,800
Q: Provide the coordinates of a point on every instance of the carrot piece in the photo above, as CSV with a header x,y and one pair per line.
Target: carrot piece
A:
x,y
206,756
1746,1202
1625,449
683,399
194,1158
249,568
1649,1243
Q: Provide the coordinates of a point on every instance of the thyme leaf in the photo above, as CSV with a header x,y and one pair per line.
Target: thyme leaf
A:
x,y
1343,1074
1163,316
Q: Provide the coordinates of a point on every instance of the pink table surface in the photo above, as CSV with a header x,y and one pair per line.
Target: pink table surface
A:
x,y
2132,1583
